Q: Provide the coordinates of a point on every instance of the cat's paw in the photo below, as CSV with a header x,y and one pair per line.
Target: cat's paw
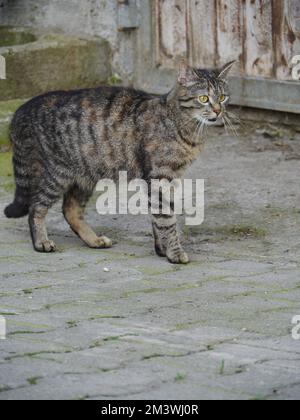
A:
x,y
178,257
45,246
102,242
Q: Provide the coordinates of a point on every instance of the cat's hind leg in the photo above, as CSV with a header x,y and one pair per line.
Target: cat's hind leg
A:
x,y
75,201
37,223
46,190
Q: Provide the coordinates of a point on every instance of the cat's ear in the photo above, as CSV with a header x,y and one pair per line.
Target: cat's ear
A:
x,y
187,75
223,73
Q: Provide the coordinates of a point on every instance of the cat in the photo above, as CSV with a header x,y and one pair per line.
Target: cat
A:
x,y
65,142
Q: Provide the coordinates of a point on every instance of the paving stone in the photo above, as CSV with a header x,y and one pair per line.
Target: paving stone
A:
x,y
125,324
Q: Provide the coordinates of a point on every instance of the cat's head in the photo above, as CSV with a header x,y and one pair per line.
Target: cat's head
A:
x,y
202,93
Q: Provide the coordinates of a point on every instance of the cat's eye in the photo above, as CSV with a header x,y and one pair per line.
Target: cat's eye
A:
x,y
204,99
223,98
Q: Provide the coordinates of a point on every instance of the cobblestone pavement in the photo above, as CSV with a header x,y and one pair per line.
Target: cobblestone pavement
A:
x,y
124,324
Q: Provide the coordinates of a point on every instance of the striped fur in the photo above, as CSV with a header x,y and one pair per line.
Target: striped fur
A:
x,y
65,142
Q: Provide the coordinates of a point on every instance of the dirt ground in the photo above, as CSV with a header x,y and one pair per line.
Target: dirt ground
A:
x,y
124,324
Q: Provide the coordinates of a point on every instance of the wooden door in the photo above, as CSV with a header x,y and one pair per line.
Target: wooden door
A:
x,y
263,35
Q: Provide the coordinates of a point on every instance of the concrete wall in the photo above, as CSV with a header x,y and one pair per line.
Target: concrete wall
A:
x,y
79,17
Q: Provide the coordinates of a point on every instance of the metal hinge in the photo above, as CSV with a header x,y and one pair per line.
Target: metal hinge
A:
x,y
128,16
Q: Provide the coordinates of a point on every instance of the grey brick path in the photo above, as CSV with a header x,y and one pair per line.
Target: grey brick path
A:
x,y
217,329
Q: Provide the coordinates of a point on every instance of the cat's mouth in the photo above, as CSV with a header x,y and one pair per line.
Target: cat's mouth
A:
x,y
209,121
212,121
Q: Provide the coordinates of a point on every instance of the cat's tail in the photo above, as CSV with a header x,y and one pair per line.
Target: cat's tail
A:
x,y
20,206
22,167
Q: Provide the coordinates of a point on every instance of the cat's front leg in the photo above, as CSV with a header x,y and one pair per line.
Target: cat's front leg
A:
x,y
167,241
162,205
159,241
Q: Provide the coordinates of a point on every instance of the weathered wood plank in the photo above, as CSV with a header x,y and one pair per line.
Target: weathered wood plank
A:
x,y
263,35
229,33
202,42
286,35
258,42
264,93
171,32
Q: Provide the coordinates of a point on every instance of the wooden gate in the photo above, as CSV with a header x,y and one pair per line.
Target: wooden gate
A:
x,y
263,35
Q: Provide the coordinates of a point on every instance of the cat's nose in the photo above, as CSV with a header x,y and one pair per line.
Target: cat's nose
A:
x,y
217,111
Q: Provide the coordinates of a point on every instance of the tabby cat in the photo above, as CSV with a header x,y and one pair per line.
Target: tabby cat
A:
x,y
65,142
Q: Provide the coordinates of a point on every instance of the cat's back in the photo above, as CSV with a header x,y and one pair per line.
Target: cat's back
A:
x,y
76,103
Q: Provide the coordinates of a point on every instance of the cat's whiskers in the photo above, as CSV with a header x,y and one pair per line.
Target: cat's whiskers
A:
x,y
234,128
225,125
235,118
227,120
231,126
194,137
233,115
203,129
199,131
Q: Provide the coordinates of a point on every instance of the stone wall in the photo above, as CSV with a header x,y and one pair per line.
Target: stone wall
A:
x,y
76,17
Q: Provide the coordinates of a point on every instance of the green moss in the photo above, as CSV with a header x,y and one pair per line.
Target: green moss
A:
x,y
33,380
82,398
259,398
38,354
139,292
153,356
4,135
6,169
72,324
161,355
113,338
95,344
30,291
82,63
4,388
222,368
114,80
27,291
25,332
6,172
185,326
151,271
180,377
216,278
95,317
13,36
8,313
245,231
82,265
30,325
227,232
9,187
7,109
